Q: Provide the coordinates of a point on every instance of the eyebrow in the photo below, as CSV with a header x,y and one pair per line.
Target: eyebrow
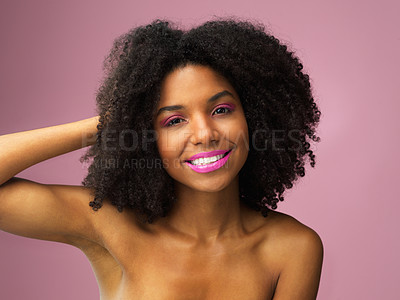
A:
x,y
212,99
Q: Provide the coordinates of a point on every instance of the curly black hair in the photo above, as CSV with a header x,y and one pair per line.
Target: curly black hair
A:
x,y
275,94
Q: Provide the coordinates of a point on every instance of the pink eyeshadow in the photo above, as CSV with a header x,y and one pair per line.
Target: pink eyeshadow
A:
x,y
229,105
167,119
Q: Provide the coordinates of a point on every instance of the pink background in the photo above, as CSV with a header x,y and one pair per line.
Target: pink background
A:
x,y
51,58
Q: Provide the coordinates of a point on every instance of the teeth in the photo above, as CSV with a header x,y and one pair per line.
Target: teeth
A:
x,y
206,160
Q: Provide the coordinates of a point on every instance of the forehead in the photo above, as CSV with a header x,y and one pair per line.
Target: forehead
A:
x,y
192,82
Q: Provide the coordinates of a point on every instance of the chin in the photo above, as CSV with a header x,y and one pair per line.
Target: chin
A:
x,y
210,189
210,185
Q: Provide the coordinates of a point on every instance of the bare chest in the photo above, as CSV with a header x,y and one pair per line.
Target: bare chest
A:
x,y
158,271
182,275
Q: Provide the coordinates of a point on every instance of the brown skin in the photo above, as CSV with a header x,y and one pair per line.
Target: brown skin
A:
x,y
209,247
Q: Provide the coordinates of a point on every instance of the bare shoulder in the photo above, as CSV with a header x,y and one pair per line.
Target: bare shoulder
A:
x,y
289,236
290,230
298,254
106,223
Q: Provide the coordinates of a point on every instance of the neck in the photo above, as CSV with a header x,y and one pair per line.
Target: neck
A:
x,y
207,217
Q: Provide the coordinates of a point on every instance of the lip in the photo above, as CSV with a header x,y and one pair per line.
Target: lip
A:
x,y
207,154
210,167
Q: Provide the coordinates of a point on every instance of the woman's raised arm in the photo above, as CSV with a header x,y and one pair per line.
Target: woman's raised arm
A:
x,y
19,151
44,211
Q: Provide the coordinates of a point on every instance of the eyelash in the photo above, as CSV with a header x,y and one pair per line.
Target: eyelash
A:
x,y
168,123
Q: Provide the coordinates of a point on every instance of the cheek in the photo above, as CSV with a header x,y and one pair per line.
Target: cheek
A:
x,y
239,132
168,146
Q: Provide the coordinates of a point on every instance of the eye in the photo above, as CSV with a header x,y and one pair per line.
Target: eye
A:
x,y
223,109
173,122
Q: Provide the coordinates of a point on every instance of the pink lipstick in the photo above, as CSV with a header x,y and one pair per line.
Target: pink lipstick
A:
x,y
208,154
203,166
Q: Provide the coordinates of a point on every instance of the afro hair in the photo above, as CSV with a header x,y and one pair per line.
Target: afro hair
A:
x,y
274,92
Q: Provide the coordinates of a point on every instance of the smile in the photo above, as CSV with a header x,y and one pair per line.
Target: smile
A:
x,y
209,164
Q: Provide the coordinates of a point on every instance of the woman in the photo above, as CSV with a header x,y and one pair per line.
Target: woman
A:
x,y
199,133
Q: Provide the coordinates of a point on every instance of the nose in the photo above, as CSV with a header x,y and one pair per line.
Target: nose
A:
x,y
202,131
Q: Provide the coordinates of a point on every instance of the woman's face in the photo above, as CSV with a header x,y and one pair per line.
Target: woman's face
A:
x,y
199,112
